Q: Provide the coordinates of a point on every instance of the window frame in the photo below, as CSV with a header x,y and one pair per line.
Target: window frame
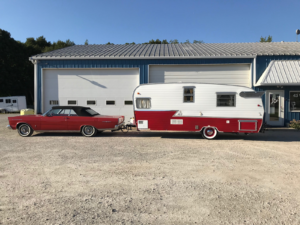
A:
x,y
50,102
226,93
186,95
14,101
1,100
143,98
91,101
72,100
290,102
128,101
8,99
110,101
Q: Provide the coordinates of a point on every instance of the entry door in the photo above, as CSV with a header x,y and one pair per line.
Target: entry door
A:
x,y
14,105
275,108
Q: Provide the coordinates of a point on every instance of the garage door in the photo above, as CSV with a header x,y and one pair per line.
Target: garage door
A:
x,y
237,74
108,91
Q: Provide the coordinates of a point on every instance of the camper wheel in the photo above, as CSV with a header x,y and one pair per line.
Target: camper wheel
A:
x,y
209,133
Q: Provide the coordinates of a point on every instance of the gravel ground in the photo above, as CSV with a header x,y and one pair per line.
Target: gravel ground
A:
x,y
149,178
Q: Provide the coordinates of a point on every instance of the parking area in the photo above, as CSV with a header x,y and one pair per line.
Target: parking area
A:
x,y
149,178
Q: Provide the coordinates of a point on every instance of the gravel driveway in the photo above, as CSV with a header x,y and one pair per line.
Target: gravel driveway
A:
x,y
149,178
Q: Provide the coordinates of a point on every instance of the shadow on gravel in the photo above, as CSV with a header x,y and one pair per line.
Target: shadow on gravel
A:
x,y
281,136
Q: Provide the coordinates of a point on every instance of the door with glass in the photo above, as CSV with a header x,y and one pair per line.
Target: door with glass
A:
x,y
275,108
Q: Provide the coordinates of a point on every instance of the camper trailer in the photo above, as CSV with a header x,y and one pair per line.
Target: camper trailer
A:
x,y
206,108
12,104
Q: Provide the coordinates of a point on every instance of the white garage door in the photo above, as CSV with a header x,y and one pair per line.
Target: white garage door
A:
x,y
110,89
234,74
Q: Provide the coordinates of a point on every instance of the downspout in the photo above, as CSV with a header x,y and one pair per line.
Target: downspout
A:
x,y
254,71
34,62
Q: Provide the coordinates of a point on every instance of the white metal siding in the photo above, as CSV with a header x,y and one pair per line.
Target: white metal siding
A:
x,y
166,97
237,74
91,84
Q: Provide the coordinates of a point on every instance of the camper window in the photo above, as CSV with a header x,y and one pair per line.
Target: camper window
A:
x,y
188,94
14,101
1,100
143,103
225,100
7,101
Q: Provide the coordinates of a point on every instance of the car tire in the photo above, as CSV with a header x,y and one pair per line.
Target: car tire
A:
x,y
209,133
88,131
25,130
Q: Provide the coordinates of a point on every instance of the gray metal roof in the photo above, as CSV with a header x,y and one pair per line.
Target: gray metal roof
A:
x,y
234,50
281,72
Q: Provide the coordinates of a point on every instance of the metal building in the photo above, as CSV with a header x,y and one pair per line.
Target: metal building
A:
x,y
104,76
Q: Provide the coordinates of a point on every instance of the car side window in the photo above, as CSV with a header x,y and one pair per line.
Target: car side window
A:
x,y
64,112
56,112
72,113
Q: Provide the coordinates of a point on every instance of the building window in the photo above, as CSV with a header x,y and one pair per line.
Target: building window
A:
x,y
72,102
14,101
91,102
188,94
53,102
1,100
294,101
143,103
128,102
7,101
110,102
225,100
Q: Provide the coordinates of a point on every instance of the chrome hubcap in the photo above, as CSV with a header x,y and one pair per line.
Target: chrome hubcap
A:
x,y
88,130
209,132
24,130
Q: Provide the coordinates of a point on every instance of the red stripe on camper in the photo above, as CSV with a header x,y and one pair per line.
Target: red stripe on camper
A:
x,y
161,120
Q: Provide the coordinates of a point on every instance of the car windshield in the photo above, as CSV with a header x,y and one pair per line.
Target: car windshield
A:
x,y
92,112
47,112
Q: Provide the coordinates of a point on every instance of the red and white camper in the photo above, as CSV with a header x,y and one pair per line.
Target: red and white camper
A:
x,y
206,108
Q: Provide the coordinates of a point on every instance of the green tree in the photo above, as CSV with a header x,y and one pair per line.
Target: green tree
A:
x,y
58,45
165,41
175,41
108,43
132,43
16,77
187,42
266,39
198,42
86,42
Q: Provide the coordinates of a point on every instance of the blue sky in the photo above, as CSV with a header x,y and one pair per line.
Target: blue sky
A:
x,y
120,21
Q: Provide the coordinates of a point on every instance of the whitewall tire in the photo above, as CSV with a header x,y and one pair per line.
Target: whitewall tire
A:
x,y
25,130
209,133
88,131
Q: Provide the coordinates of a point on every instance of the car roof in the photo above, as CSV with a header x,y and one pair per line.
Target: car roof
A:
x,y
70,107
80,110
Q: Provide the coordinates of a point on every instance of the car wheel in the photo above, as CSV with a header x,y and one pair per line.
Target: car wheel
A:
x,y
209,133
89,131
25,130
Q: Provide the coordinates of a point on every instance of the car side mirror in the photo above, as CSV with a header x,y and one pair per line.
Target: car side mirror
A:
x,y
49,114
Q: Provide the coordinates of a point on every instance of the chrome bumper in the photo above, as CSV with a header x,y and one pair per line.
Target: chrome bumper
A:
x,y
8,127
117,127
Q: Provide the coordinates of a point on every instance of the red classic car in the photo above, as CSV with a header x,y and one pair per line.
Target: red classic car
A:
x,y
66,118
